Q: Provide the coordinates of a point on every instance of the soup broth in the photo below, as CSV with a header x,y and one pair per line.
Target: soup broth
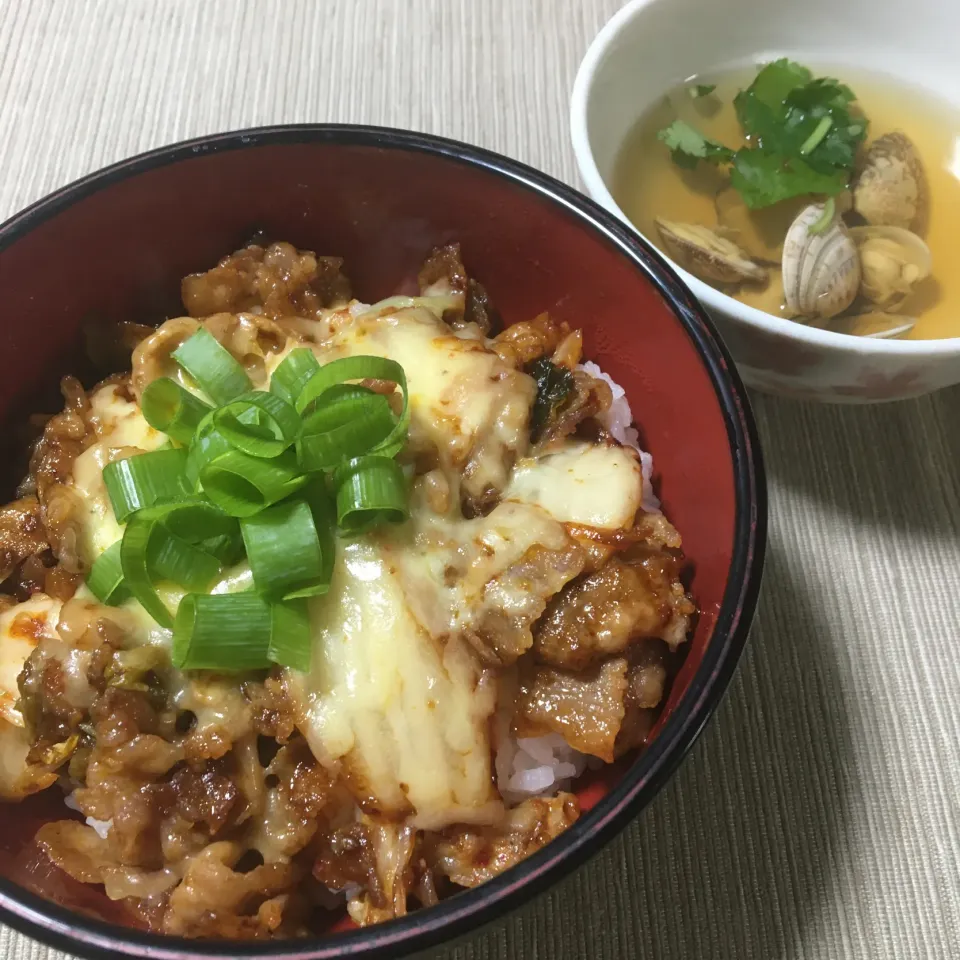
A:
x,y
647,183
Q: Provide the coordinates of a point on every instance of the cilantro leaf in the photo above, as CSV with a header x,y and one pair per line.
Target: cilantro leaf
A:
x,y
688,146
763,179
772,84
807,106
805,123
802,136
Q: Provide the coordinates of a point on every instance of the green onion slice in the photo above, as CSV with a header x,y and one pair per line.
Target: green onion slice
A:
x,y
144,480
291,376
258,423
182,563
825,218
353,424
216,371
146,558
207,445
143,537
106,577
284,551
324,511
290,637
370,490
197,521
242,485
234,632
226,547
815,138
228,631
360,368
169,408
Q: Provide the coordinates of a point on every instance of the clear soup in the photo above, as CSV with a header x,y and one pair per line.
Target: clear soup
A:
x,y
648,184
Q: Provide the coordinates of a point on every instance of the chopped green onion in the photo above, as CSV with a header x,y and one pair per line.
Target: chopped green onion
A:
x,y
225,631
143,480
142,538
207,445
146,558
370,490
360,368
290,637
292,374
169,408
344,428
825,218
106,577
214,368
193,510
196,521
258,423
235,632
284,551
226,547
242,485
182,563
819,132
324,510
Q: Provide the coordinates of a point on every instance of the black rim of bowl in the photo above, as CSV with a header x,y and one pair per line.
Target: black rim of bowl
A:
x,y
76,933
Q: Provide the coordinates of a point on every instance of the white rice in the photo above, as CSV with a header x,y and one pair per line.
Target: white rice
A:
x,y
536,766
617,421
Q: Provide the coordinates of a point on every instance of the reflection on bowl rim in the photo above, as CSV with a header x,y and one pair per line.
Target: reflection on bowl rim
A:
x,y
79,934
712,298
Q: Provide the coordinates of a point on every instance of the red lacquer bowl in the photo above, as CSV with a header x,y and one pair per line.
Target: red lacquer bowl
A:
x,y
114,246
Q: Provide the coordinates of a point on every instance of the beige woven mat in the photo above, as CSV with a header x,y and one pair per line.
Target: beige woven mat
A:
x,y
817,817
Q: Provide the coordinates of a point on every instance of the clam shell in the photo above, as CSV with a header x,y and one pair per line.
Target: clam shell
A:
x,y
875,325
707,255
821,271
892,262
891,188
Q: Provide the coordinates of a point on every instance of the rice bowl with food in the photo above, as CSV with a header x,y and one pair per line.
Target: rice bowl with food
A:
x,y
323,607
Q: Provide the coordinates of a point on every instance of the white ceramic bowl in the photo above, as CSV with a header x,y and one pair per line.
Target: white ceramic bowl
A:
x,y
651,46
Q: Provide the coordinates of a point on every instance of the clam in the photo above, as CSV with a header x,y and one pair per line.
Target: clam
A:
x,y
821,269
874,324
708,255
892,262
891,188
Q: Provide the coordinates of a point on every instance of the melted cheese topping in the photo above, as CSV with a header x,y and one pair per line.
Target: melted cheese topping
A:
x,y
403,715
396,699
465,402
597,486
21,629
120,429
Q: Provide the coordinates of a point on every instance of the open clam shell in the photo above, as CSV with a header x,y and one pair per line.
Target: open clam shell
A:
x,y
875,325
893,261
708,255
